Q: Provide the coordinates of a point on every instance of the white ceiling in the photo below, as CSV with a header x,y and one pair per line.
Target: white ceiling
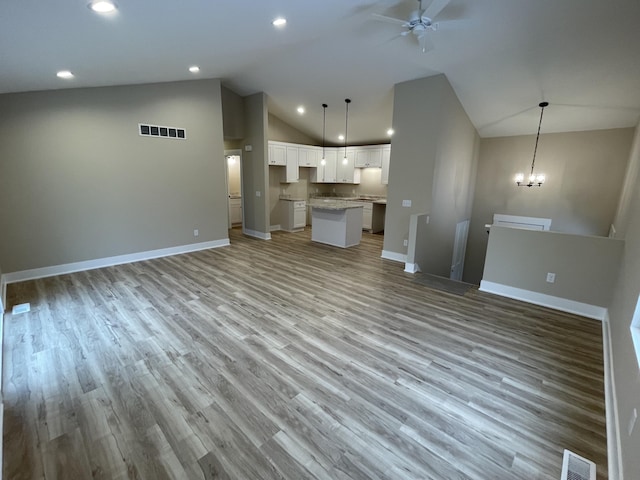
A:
x,y
502,57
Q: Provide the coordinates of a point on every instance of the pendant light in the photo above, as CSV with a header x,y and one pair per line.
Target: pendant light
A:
x,y
323,161
535,180
347,101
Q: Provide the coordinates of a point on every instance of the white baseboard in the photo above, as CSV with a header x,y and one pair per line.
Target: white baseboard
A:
x,y
275,228
411,267
108,261
544,300
396,257
254,233
614,448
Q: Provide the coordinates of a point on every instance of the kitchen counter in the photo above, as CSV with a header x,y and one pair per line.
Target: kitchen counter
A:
x,y
289,198
336,224
332,204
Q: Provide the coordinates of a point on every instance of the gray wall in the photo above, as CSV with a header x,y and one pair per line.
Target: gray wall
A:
x,y
627,290
232,115
255,173
283,132
585,171
83,184
586,267
453,185
433,162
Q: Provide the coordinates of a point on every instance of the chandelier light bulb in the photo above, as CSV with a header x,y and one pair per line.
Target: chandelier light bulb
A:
x,y
520,178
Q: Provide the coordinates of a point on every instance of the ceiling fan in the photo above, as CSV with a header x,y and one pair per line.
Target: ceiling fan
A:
x,y
419,23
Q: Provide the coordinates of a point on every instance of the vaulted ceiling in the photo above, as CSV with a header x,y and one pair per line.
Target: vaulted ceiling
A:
x,y
502,57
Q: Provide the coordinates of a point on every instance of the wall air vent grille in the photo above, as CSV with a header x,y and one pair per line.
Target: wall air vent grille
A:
x,y
575,467
146,130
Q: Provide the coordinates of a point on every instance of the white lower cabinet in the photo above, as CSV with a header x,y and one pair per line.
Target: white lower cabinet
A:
x,y
367,215
295,215
235,211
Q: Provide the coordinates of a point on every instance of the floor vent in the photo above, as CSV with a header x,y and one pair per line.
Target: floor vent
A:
x,y
22,308
575,467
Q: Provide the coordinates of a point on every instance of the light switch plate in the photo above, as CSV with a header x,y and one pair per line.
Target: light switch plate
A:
x,y
551,277
406,203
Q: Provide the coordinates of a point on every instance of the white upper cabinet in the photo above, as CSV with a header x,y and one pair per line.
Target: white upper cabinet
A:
x,y
346,171
309,156
326,173
294,156
368,156
291,173
277,154
386,157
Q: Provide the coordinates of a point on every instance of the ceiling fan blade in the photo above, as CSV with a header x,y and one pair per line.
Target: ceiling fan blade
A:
x,y
383,18
435,8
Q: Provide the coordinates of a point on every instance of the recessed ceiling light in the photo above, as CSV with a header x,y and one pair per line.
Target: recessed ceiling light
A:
x,y
340,137
102,6
194,69
390,132
279,22
64,74
300,109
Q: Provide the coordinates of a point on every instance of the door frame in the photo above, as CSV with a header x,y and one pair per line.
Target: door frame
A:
x,y
234,153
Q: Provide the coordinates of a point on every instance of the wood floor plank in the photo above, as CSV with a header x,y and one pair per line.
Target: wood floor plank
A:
x,y
290,359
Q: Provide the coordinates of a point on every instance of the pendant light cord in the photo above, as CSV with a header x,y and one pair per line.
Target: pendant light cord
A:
x,y
533,162
324,124
346,125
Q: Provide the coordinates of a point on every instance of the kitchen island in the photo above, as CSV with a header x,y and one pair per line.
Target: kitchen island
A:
x,y
336,223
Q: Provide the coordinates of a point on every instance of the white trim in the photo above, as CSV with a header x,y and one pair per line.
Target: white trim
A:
x,y
411,267
3,296
108,261
517,221
275,228
614,447
396,257
256,234
557,303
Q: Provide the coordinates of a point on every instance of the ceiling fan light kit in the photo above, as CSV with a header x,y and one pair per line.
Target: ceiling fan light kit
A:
x,y
420,22
535,180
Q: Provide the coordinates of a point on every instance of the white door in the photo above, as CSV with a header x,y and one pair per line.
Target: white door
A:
x,y
234,187
459,249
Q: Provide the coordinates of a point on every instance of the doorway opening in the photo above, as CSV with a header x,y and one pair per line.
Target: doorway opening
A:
x,y
233,161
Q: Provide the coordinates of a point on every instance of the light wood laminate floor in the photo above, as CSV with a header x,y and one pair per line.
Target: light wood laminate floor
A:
x,y
287,359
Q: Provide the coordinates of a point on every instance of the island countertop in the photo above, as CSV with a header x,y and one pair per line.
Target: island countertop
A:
x,y
333,204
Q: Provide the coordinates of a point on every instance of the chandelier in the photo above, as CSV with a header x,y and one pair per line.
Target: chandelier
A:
x,y
535,180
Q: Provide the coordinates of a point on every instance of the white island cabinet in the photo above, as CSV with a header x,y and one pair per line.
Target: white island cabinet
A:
x,y
335,224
